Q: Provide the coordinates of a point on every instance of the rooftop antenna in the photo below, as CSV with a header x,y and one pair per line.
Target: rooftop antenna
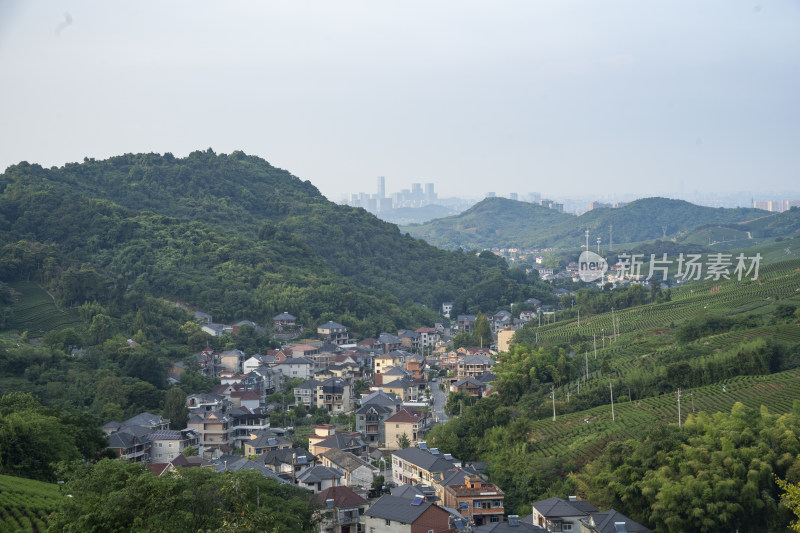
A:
x,y
587,240
598,246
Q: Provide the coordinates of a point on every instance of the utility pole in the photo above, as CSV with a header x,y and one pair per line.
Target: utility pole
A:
x,y
586,354
692,395
579,317
553,394
611,386
594,340
679,407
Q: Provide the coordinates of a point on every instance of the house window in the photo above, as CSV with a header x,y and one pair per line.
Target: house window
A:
x,y
566,527
494,519
388,522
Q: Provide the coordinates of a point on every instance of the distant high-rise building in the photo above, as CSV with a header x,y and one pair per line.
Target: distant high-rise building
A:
x,y
514,196
381,187
534,197
430,196
385,204
597,205
490,194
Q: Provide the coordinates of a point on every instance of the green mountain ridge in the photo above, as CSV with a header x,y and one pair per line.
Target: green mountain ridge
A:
x,y
232,235
504,223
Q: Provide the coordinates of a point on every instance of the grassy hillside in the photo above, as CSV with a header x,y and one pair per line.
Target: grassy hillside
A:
x,y
25,504
498,222
718,342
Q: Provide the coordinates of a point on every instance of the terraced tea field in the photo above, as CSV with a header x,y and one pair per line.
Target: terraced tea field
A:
x,y
34,311
777,281
25,504
582,436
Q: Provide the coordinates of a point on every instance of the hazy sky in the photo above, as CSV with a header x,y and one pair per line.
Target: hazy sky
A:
x,y
562,97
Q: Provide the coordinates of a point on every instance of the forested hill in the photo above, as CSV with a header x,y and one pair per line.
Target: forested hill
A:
x,y
232,235
499,222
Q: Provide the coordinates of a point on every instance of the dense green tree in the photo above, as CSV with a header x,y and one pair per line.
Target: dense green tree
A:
x,y
118,496
175,408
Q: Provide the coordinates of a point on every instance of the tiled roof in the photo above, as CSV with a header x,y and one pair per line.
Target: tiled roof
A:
x,y
559,507
425,459
397,509
145,419
342,497
604,522
345,460
319,473
405,416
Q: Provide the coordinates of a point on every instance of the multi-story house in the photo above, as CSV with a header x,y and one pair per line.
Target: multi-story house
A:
x,y
284,321
333,333
409,422
214,429
416,365
263,442
390,374
470,386
357,471
296,367
447,307
382,363
130,446
558,514
465,323
318,478
393,514
341,510
403,388
418,464
167,444
306,393
246,422
473,365
369,422
428,337
288,463
410,340
476,499
335,395
208,402
387,342
325,437
232,360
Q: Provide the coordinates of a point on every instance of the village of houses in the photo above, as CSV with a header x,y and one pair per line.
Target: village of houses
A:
x,y
409,374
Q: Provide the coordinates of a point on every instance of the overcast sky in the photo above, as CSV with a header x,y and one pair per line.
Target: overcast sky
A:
x,y
561,97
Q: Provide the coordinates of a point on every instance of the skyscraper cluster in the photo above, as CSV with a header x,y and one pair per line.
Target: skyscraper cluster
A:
x,y
414,197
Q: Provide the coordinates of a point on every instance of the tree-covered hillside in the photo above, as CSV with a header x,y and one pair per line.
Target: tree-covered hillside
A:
x,y
499,222
229,234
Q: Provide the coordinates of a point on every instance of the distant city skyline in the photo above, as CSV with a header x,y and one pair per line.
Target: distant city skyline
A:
x,y
564,98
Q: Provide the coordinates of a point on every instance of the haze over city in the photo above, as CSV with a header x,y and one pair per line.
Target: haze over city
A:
x,y
563,98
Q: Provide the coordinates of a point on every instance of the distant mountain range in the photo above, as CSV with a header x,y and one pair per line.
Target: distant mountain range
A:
x,y
504,223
